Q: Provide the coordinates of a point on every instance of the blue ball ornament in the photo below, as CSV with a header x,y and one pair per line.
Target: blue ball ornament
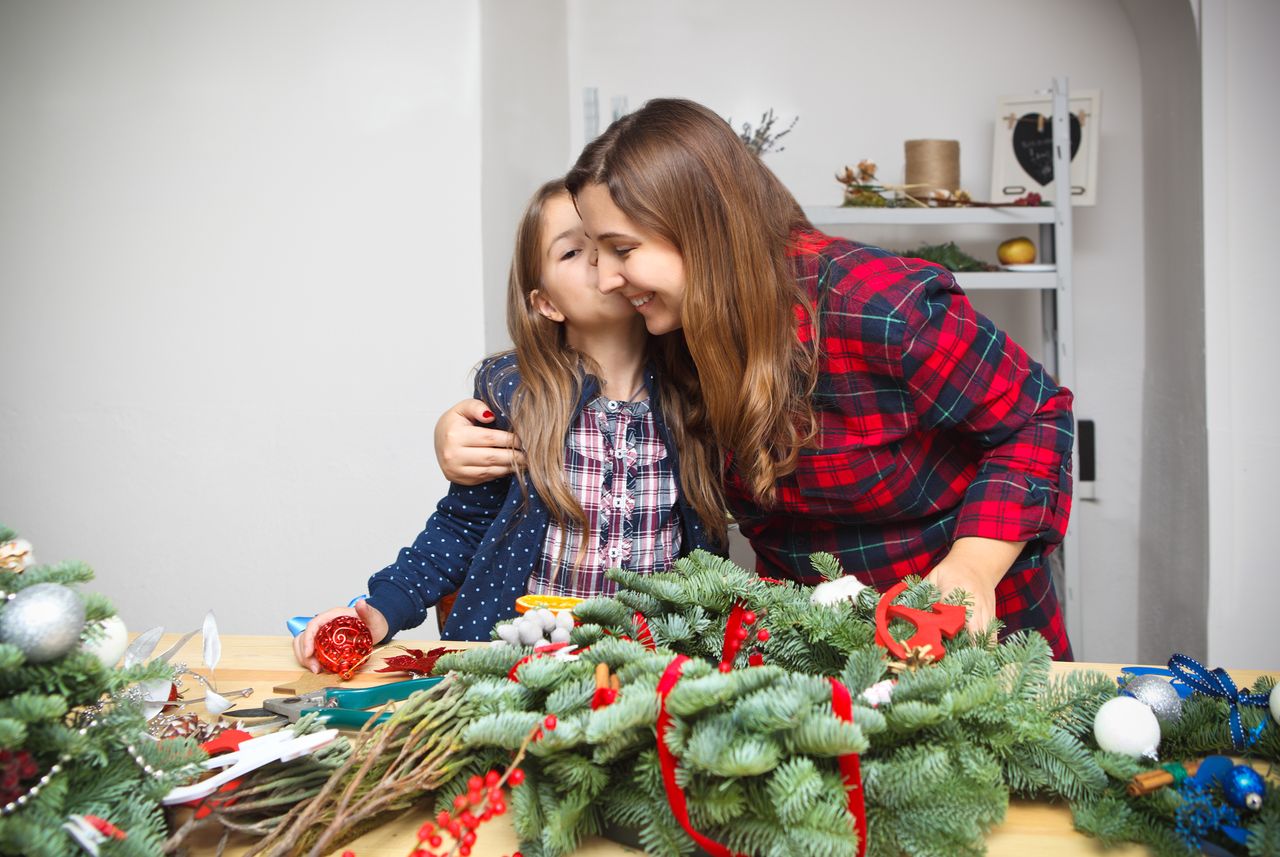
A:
x,y
1244,788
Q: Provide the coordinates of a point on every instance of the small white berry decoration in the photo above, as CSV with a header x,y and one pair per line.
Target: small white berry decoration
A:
x,y
1125,725
537,628
834,591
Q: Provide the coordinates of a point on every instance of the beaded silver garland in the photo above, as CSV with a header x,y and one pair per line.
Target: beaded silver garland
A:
x,y
138,758
21,801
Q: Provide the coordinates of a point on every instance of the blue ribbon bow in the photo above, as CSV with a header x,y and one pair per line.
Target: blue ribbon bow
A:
x,y
1218,683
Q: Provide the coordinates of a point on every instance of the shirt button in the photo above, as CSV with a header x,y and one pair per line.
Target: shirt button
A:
x,y
613,406
614,553
620,452
618,501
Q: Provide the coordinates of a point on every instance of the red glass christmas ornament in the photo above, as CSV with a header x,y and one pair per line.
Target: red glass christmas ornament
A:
x,y
342,645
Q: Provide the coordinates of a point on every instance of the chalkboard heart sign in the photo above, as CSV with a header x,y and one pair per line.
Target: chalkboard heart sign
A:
x,y
1033,145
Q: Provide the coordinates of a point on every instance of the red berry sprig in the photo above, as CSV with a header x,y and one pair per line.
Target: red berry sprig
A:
x,y
736,633
483,802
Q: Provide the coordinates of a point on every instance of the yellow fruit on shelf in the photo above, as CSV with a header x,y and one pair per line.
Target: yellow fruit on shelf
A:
x,y
1017,251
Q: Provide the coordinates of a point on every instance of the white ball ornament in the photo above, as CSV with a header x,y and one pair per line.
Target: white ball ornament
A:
x,y
1275,703
1126,726
108,646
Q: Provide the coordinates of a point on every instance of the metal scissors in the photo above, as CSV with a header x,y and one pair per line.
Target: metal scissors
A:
x,y
344,707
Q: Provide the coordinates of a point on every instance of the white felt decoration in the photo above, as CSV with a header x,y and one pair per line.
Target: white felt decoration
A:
x,y
143,646
155,696
212,645
215,702
168,653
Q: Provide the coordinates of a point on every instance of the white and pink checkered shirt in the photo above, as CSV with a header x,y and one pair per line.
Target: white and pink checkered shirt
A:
x,y
617,466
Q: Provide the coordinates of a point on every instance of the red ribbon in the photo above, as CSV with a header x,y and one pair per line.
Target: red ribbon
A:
x,y
732,639
643,634
667,761
540,651
850,766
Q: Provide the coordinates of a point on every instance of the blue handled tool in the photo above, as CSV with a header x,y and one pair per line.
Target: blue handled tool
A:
x,y
344,707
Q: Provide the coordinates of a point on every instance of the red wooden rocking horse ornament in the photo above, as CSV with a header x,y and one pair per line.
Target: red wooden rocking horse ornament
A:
x,y
942,620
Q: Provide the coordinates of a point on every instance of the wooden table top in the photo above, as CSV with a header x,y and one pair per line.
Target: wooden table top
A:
x,y
263,662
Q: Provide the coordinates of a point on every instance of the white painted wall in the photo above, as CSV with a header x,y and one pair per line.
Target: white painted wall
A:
x,y
865,77
525,55
1240,72
1174,503
239,278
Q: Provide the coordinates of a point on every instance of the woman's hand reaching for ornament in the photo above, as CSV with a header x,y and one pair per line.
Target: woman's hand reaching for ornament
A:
x,y
304,645
469,453
976,565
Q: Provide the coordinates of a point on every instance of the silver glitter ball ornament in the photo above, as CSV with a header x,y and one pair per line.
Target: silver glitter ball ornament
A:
x,y
1157,694
44,621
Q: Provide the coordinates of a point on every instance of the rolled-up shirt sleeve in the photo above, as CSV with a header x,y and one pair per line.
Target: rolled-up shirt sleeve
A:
x,y
964,375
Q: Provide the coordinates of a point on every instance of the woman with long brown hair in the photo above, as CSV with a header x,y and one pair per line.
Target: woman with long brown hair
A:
x,y
614,474
861,405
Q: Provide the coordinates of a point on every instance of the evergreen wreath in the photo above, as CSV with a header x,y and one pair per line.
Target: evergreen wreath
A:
x,y
757,746
758,754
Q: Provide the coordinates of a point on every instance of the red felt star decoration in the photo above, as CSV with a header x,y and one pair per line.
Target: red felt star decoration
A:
x,y
416,661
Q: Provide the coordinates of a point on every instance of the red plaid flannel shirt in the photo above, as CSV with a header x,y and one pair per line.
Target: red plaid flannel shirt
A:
x,y
933,425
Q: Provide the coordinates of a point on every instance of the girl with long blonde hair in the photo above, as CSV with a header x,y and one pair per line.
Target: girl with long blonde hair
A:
x,y
864,407
614,471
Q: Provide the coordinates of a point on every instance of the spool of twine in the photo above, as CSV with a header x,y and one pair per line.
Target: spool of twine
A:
x,y
932,165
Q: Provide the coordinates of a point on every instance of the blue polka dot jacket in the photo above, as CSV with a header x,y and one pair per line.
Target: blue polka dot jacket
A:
x,y
483,541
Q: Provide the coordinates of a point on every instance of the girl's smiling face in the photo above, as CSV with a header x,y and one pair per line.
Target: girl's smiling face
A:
x,y
642,267
568,293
